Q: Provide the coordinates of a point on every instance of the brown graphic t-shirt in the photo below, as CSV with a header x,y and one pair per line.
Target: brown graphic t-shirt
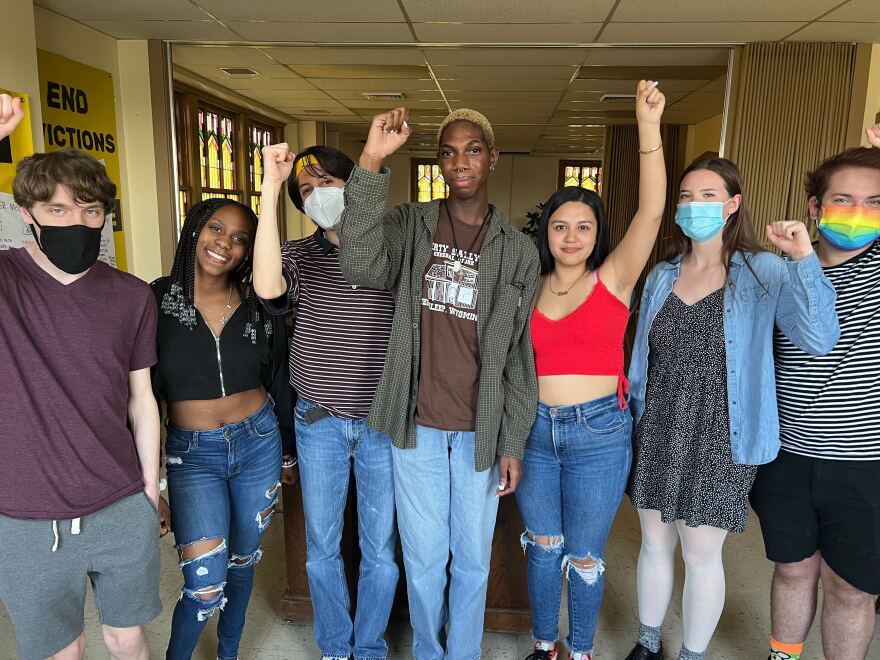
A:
x,y
450,356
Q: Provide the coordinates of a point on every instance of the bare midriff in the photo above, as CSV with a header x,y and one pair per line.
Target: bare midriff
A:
x,y
207,414
568,390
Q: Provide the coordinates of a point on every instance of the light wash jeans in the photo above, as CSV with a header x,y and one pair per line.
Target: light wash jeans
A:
x,y
444,506
325,450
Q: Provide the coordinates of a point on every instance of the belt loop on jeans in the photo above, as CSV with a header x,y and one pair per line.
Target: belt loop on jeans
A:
x,y
580,414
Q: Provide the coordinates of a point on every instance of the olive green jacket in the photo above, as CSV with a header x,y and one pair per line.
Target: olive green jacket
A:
x,y
391,251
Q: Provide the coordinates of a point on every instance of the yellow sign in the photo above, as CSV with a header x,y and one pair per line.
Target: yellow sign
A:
x,y
17,146
79,113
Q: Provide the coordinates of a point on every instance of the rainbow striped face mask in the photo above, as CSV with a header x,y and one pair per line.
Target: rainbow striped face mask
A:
x,y
849,227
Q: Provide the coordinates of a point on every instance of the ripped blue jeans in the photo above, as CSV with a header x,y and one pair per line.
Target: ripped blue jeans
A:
x,y
223,487
576,463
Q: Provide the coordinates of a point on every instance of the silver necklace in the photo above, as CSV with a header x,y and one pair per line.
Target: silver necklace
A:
x,y
224,317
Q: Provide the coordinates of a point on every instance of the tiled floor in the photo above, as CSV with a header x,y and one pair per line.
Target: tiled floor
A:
x,y
742,633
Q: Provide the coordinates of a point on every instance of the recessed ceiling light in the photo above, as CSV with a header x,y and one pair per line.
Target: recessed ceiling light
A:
x,y
385,96
239,72
617,97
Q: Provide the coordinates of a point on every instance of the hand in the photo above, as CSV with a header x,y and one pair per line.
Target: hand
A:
x,y
11,114
289,476
164,517
650,102
792,237
388,133
277,163
509,471
873,134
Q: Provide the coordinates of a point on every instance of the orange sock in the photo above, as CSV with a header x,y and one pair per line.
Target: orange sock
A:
x,y
783,651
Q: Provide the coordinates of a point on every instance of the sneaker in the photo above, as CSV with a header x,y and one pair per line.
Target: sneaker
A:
x,y
641,652
541,652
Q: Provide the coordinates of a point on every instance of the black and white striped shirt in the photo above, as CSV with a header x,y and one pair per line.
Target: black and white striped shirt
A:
x,y
341,331
829,406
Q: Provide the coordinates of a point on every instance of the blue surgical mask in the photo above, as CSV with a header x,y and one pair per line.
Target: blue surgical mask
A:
x,y
700,221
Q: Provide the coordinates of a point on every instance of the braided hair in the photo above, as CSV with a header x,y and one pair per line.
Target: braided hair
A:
x,y
179,299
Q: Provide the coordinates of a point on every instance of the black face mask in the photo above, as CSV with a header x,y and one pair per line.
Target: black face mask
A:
x,y
73,249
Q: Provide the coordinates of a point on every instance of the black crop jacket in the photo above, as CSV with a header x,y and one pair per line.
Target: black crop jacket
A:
x,y
194,365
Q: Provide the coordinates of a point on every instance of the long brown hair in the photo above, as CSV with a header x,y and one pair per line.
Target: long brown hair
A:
x,y
739,231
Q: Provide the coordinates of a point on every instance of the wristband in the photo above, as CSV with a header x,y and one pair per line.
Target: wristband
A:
x,y
652,150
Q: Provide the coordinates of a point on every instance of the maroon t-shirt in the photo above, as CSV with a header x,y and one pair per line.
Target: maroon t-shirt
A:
x,y
66,352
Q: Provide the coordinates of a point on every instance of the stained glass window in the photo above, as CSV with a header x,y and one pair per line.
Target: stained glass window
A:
x,y
258,137
216,151
584,174
429,183
219,152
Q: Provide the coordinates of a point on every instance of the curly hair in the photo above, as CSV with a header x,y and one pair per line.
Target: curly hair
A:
x,y
179,299
478,119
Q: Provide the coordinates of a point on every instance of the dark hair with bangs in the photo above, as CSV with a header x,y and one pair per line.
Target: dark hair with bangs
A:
x,y
817,181
330,160
557,199
38,176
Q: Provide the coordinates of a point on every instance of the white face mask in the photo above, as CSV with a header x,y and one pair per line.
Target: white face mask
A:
x,y
325,206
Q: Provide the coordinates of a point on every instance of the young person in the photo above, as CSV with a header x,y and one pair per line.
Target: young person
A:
x,y
703,389
578,455
79,427
458,392
818,502
336,357
220,355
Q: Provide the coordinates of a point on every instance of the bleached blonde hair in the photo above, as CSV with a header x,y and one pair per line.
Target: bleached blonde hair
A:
x,y
478,119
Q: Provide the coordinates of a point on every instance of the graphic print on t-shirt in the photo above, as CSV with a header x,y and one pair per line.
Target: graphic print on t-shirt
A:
x,y
448,290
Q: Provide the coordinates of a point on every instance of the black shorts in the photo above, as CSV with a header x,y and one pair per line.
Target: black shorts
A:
x,y
807,504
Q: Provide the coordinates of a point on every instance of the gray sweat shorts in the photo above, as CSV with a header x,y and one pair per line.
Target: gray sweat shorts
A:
x,y
117,549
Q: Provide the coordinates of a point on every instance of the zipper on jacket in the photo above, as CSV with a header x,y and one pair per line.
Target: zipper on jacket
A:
x,y
219,359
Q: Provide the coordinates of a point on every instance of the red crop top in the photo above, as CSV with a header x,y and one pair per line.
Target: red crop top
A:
x,y
586,342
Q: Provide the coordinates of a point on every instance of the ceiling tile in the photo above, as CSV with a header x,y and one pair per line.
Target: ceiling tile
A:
x,y
629,86
822,31
698,32
507,32
523,73
219,56
409,97
321,32
657,56
373,84
856,11
326,11
497,85
375,71
267,72
502,97
287,97
709,11
339,55
502,56
184,30
717,85
488,11
263,84
92,10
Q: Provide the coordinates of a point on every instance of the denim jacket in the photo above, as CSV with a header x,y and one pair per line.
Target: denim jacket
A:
x,y
762,290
